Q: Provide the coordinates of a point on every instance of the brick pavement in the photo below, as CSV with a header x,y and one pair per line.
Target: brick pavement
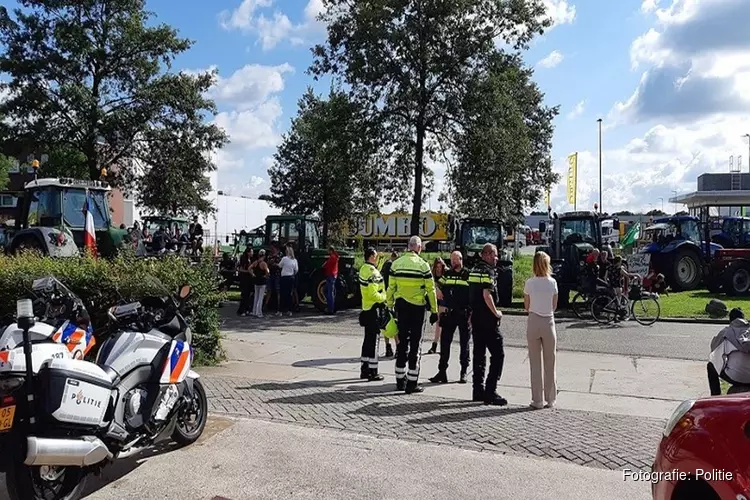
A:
x,y
586,438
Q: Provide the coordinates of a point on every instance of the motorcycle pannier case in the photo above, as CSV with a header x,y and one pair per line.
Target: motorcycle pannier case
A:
x,y
74,393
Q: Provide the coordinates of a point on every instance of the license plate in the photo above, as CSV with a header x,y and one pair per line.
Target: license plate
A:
x,y
6,417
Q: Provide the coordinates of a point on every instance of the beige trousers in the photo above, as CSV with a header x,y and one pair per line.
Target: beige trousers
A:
x,y
542,341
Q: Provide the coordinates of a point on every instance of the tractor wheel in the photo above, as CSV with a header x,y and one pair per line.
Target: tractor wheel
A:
x,y
737,279
686,273
318,293
28,245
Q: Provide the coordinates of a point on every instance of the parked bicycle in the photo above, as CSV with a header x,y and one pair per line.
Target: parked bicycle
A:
x,y
639,304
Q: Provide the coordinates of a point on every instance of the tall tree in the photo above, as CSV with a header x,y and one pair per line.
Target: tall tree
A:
x,y
89,74
175,180
503,151
5,166
413,59
327,163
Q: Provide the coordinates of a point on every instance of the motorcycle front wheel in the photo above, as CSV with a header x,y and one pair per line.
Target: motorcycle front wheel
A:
x,y
192,418
45,483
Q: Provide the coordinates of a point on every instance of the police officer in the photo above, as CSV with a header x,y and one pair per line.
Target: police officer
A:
x,y
373,304
485,323
409,288
455,287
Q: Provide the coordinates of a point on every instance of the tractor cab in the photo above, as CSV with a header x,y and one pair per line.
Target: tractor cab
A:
x,y
153,223
474,234
50,209
735,233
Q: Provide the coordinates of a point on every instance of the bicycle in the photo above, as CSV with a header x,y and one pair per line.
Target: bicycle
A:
x,y
605,307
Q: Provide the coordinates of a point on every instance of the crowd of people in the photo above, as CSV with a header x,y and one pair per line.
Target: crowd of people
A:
x,y
167,239
460,299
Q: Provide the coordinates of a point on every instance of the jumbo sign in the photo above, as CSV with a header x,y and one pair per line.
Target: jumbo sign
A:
x,y
434,226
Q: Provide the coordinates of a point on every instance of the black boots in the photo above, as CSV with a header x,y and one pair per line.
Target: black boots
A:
x,y
413,387
462,380
400,384
440,378
371,375
433,349
495,400
478,396
388,351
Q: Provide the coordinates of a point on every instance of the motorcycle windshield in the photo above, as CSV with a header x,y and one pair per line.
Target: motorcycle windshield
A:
x,y
49,287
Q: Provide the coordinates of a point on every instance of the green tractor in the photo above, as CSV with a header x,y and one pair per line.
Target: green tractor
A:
x,y
470,236
301,232
51,220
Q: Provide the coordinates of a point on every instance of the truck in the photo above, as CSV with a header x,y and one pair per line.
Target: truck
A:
x,y
574,236
735,233
50,218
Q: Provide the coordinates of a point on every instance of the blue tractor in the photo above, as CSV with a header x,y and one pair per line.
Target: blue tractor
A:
x,y
735,233
677,251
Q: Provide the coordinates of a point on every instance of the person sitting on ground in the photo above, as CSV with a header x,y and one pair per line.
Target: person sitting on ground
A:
x,y
730,354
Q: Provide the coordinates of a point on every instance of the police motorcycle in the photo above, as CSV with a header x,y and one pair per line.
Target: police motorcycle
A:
x,y
83,415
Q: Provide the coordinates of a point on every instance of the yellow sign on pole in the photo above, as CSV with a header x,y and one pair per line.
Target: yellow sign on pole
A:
x,y
547,198
572,178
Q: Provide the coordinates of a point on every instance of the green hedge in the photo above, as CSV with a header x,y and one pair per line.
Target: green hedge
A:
x,y
101,283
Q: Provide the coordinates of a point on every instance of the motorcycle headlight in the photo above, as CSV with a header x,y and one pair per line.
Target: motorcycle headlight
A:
x,y
678,417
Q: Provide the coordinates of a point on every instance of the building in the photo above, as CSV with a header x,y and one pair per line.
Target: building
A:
x,y
725,194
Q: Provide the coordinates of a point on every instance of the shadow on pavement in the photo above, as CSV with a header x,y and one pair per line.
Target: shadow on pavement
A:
x,y
123,467
406,409
308,363
487,411
331,397
292,386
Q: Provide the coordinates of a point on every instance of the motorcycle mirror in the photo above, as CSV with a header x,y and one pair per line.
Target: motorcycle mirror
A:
x,y
184,291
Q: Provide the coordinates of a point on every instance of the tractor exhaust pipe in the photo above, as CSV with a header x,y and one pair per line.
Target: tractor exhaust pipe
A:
x,y
65,452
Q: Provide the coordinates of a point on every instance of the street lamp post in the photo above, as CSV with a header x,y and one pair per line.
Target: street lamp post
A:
x,y
662,204
600,164
674,205
748,150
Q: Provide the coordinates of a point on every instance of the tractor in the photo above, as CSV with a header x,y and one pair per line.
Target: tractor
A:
x,y
677,251
470,237
301,233
574,236
51,219
735,233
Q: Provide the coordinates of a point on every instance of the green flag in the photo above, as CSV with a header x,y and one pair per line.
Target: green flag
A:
x,y
631,235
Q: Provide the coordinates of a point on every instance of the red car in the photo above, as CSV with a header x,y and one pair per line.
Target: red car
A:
x,y
705,451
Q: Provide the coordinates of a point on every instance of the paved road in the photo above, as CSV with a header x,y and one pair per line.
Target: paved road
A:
x,y
269,460
664,340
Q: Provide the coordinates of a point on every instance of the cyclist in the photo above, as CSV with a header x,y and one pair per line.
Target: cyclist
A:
x,y
618,276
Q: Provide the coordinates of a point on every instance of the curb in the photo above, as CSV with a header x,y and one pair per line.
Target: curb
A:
x,y
567,315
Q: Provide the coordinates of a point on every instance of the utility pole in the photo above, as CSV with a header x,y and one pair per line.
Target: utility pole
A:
x,y
662,205
748,151
674,205
600,164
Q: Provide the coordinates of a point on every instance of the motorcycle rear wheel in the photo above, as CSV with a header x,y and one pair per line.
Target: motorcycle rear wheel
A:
x,y
186,433
45,483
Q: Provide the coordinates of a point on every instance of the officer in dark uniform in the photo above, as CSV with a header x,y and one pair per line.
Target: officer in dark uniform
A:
x,y
454,284
485,323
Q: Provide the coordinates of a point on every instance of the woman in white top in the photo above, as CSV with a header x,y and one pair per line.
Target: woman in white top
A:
x,y
540,301
289,269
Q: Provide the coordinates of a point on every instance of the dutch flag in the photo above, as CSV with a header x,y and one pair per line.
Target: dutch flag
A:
x,y
89,234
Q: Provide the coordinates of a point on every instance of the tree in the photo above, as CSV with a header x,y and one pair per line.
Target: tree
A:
x,y
624,212
503,152
87,75
175,181
326,164
655,213
5,166
65,161
412,60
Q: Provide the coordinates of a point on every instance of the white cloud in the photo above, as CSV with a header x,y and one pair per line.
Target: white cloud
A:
x,y
553,59
251,84
649,6
274,28
242,17
560,12
697,59
577,111
649,168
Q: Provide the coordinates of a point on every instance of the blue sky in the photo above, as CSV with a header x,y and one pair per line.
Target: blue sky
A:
x,y
670,79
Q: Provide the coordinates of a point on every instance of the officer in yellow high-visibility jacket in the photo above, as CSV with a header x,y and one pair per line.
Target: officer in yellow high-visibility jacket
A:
x,y
410,287
372,287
